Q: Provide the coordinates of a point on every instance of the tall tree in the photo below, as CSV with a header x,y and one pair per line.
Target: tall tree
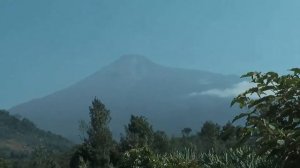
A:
x,y
98,143
139,133
210,130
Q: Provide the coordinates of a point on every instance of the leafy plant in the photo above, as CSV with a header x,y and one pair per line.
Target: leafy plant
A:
x,y
139,158
273,114
181,159
232,158
145,158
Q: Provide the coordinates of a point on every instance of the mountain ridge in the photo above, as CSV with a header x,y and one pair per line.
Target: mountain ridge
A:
x,y
131,85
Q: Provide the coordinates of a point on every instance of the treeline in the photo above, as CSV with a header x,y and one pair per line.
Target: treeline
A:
x,y
99,148
270,137
143,147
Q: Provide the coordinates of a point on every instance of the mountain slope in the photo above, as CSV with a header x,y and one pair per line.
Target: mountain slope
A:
x,y
135,85
21,136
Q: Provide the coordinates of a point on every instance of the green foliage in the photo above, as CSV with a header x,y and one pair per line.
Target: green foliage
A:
x,y
230,135
180,159
42,158
82,163
97,147
19,136
161,142
99,136
4,163
273,114
145,158
232,158
186,132
139,158
80,156
210,130
209,136
139,133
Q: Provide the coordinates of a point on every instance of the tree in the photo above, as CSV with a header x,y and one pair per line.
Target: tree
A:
x,y
210,130
229,135
81,156
139,133
228,132
161,143
209,136
97,146
186,132
272,113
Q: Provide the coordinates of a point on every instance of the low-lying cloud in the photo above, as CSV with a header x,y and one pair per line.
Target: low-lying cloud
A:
x,y
228,92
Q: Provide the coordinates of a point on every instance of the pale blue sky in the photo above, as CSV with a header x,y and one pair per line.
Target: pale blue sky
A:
x,y
46,45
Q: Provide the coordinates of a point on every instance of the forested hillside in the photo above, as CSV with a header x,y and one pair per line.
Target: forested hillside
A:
x,y
19,137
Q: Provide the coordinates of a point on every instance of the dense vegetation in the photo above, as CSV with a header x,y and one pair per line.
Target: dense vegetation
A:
x,y
20,139
269,139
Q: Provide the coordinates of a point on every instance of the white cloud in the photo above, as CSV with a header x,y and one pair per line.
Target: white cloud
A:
x,y
228,92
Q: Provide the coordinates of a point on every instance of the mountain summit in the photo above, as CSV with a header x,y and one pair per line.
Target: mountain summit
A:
x,y
134,85
133,60
132,66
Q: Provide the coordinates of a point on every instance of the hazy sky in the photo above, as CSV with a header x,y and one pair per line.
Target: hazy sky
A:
x,y
46,45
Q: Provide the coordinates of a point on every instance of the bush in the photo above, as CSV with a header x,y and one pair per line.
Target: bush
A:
x,y
145,158
139,158
232,158
273,114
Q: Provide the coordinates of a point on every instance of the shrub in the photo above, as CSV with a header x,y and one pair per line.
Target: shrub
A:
x,y
273,114
232,158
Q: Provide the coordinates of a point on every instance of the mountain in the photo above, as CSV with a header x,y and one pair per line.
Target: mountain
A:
x,y
168,97
19,136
